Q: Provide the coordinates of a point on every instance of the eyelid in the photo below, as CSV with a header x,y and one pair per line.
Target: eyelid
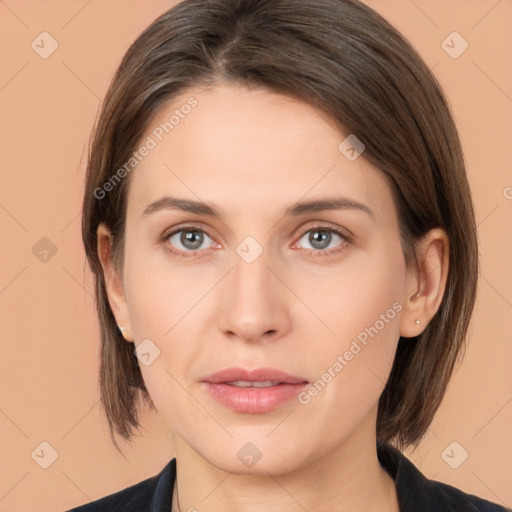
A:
x,y
322,225
184,227
318,225
344,233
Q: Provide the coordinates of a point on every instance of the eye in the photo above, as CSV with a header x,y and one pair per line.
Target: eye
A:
x,y
320,237
187,240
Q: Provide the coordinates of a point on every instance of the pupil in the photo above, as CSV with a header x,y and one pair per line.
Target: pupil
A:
x,y
189,236
324,235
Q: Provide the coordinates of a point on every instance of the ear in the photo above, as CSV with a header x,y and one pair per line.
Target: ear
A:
x,y
113,282
426,286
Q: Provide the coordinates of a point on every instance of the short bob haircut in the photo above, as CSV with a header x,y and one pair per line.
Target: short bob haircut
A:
x,y
346,60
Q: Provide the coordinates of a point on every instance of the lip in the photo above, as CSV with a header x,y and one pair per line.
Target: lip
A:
x,y
256,375
251,399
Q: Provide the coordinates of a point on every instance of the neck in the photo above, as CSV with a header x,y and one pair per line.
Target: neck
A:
x,y
349,477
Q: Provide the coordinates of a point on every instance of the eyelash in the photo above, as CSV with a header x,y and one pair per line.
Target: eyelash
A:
x,y
346,240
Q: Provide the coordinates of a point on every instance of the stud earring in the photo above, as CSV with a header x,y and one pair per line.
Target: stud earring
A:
x,y
125,335
418,322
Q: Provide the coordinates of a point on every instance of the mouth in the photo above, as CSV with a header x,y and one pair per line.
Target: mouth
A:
x,y
256,384
253,391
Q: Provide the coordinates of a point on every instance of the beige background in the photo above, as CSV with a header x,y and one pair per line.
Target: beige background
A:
x,y
49,332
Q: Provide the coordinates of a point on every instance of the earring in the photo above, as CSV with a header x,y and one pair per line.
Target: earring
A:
x,y
125,336
418,322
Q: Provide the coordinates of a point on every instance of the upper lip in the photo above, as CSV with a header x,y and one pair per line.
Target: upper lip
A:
x,y
256,375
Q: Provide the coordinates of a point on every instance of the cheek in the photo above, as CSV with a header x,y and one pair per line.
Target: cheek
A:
x,y
364,294
160,311
161,296
352,365
362,306
165,305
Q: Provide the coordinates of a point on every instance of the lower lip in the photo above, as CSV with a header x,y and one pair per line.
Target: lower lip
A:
x,y
254,400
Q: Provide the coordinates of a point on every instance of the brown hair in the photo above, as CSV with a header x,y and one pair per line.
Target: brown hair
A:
x,y
343,58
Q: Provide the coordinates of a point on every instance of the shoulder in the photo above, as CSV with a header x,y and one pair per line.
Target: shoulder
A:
x,y
419,494
455,499
153,494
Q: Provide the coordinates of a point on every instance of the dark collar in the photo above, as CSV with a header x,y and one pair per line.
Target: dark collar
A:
x,y
416,493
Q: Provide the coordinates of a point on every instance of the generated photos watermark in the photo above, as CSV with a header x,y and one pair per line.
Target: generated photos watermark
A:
x,y
151,142
344,359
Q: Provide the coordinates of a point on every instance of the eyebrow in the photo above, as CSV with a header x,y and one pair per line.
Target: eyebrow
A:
x,y
296,209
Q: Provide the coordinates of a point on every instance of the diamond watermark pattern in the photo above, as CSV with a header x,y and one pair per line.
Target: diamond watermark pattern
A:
x,y
44,250
44,455
351,147
454,45
249,249
147,352
249,454
454,455
44,45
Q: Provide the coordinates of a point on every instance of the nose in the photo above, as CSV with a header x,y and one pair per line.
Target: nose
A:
x,y
253,302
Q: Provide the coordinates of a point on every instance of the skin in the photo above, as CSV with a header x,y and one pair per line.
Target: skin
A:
x,y
253,153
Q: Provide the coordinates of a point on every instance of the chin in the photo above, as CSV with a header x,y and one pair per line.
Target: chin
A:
x,y
274,464
261,456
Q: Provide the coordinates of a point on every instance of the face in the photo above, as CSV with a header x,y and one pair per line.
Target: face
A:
x,y
313,292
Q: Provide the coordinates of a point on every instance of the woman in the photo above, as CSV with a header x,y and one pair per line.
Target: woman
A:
x,y
281,229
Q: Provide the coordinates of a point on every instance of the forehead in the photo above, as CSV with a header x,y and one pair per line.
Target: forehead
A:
x,y
246,147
